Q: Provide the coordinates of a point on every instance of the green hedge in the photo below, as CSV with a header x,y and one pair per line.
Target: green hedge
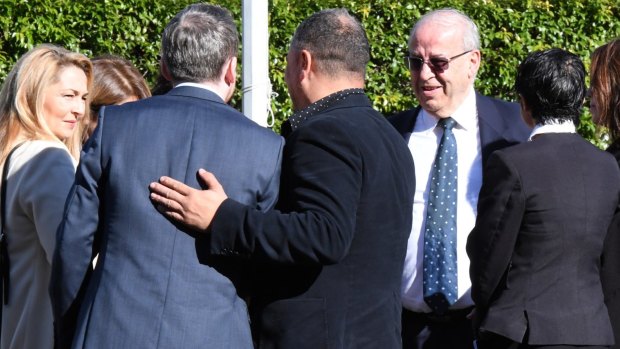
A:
x,y
509,29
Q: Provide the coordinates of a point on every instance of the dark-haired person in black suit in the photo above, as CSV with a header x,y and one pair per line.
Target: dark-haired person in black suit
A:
x,y
543,214
329,259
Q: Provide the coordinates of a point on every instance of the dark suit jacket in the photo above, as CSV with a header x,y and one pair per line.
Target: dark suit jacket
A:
x,y
330,259
154,285
543,213
500,124
610,265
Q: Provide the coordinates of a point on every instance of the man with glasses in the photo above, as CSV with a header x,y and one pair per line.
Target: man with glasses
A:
x,y
450,136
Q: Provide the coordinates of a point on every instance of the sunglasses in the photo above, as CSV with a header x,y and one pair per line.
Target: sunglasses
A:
x,y
436,64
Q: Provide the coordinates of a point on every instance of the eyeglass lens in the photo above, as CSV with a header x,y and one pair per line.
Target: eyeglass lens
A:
x,y
437,63
415,63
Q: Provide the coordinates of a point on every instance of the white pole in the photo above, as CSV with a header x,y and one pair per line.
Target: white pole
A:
x,y
256,84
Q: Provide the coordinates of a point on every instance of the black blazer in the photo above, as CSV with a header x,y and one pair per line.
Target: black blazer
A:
x,y
499,122
610,266
543,213
330,259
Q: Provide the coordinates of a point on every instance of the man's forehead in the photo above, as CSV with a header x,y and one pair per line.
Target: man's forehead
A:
x,y
442,37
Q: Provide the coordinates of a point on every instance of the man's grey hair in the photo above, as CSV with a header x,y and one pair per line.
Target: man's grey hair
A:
x,y
450,17
197,42
336,40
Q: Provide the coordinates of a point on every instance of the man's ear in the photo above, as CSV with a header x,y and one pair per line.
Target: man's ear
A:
x,y
474,61
230,71
230,78
306,63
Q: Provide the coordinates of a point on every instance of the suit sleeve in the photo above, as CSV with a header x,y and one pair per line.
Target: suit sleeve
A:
x,y
74,245
490,245
321,181
50,176
269,196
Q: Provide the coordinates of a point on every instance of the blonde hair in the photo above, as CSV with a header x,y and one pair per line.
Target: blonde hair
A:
x,y
22,97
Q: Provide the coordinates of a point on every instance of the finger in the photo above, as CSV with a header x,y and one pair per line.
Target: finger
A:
x,y
167,193
165,205
175,216
168,213
158,189
158,199
175,185
210,181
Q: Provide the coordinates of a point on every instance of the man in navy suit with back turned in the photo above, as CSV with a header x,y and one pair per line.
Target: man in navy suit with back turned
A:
x,y
444,57
329,259
154,284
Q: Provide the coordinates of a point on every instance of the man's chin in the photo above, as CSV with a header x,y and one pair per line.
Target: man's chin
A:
x,y
430,106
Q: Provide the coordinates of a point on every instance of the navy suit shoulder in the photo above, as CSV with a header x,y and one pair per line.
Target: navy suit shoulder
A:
x,y
178,106
500,124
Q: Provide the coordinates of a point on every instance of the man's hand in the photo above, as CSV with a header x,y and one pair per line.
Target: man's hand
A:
x,y
192,207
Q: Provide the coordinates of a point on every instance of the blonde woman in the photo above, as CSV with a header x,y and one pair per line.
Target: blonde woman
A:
x,y
42,104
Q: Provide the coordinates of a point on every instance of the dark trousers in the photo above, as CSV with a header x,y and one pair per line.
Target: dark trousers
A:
x,y
490,340
428,331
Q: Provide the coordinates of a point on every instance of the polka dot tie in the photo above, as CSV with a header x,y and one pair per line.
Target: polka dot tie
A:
x,y
440,273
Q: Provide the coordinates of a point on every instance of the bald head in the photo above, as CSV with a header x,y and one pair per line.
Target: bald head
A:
x,y
450,18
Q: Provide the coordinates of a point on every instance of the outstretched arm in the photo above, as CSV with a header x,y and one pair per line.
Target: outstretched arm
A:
x,y
318,201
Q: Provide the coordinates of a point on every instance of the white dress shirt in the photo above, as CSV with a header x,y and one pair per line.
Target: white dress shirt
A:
x,y
423,145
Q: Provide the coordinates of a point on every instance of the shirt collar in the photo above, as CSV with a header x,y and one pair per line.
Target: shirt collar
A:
x,y
466,115
195,84
561,126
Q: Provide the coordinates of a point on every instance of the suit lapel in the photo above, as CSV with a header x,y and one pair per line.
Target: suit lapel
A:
x,y
404,122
